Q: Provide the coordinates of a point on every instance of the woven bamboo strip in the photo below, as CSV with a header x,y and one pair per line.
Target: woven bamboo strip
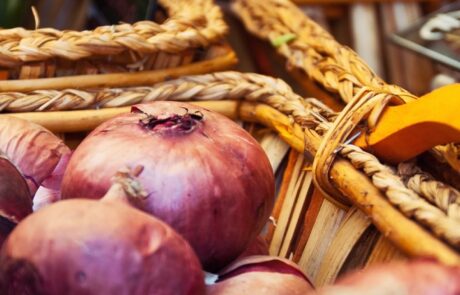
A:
x,y
384,251
303,194
353,226
282,221
328,222
275,148
197,26
282,194
308,223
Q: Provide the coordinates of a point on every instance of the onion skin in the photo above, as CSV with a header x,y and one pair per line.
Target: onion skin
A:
x,y
37,153
97,247
420,277
261,275
212,183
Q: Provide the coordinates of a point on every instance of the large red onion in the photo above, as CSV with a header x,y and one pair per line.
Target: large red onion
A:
x,y
38,154
420,277
261,275
98,247
259,246
205,175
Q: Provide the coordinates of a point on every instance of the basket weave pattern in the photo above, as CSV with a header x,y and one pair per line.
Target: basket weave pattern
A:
x,y
185,29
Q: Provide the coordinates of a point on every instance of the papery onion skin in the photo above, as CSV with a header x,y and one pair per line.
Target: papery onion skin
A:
x,y
97,247
261,275
212,183
419,277
37,153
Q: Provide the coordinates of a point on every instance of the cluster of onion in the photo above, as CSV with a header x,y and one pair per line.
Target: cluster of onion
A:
x,y
148,201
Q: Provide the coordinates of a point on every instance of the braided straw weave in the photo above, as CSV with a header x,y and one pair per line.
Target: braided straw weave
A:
x,y
313,50
310,113
192,24
223,85
445,197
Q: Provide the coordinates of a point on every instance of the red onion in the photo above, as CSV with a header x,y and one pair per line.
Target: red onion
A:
x,y
98,247
420,277
38,154
205,176
258,246
261,275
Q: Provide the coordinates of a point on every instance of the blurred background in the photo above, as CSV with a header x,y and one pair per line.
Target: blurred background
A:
x,y
365,26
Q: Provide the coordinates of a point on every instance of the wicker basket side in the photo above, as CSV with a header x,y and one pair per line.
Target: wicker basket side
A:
x,y
186,36
313,51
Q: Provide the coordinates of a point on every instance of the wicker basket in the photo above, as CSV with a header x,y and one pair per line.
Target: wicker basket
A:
x,y
363,212
187,37
314,56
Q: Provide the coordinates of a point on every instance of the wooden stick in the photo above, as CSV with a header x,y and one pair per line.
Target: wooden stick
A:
x,y
120,79
407,235
85,120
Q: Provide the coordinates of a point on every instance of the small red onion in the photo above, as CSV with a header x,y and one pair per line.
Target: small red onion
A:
x,y
98,247
38,154
419,277
266,275
205,175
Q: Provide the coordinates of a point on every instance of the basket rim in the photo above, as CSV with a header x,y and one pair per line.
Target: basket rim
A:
x,y
200,25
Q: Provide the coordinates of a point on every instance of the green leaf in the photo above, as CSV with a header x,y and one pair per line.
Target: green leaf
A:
x,y
283,39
